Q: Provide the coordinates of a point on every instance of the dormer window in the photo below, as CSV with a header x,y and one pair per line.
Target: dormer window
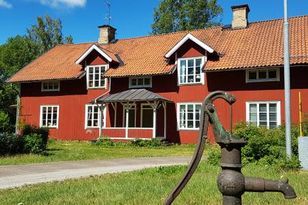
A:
x,y
49,86
140,82
95,77
190,70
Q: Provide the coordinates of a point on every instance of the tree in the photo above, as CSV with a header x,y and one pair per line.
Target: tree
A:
x,y
47,33
178,15
16,53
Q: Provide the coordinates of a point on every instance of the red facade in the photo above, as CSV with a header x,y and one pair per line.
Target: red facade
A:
x,y
74,95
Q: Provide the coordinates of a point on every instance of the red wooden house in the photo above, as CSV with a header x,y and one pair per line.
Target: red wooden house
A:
x,y
153,86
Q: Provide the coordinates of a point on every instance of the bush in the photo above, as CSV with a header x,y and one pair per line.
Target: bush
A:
x,y
10,144
267,146
148,143
105,141
44,132
214,154
34,143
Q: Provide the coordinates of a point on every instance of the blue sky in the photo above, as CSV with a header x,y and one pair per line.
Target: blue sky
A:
x,y
80,18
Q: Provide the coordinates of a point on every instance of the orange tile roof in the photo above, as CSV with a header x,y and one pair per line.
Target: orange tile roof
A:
x,y
259,45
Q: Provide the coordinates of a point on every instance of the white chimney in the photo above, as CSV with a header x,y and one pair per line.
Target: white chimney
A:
x,y
240,16
106,34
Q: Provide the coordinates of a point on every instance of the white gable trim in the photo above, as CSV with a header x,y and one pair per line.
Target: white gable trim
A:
x,y
93,47
192,38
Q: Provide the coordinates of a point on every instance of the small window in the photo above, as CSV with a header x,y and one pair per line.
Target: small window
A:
x,y
95,78
262,75
49,116
189,115
48,86
140,82
263,114
93,116
190,71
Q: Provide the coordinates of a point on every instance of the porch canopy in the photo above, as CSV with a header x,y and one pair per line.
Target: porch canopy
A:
x,y
128,98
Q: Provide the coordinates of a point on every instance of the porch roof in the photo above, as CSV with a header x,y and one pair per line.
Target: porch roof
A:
x,y
132,95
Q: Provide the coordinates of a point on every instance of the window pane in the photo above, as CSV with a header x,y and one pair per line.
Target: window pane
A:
x,y
191,63
252,75
134,81
273,125
272,74
182,71
147,81
262,74
198,62
262,107
273,107
140,81
190,108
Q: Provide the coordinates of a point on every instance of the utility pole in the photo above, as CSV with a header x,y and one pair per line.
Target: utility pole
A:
x,y
287,81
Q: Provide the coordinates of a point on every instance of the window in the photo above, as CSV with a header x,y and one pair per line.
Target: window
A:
x,y
146,116
50,86
93,115
49,116
140,82
95,77
189,115
262,75
190,70
263,114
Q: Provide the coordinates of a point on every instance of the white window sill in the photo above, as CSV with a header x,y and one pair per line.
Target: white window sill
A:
x,y
183,84
262,81
95,88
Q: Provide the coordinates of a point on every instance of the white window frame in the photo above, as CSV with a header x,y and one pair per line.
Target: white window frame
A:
x,y
133,107
203,60
144,106
100,76
53,83
194,120
267,79
41,115
140,86
99,116
267,111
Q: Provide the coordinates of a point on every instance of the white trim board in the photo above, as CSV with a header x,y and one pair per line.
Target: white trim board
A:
x,y
186,38
93,47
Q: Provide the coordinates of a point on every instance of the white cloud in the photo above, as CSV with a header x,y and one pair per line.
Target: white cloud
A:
x,y
64,3
5,4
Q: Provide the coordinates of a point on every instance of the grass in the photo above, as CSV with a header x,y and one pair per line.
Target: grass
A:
x,y
151,186
80,150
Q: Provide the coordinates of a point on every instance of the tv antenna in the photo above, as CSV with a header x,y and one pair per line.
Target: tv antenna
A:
x,y
108,16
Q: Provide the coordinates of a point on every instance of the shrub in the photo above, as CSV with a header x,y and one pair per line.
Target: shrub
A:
x,y
44,132
105,141
4,122
10,144
267,146
214,154
148,143
34,143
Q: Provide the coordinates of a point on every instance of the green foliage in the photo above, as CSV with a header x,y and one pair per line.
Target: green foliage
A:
x,y
105,141
175,15
43,132
47,33
214,155
267,146
148,143
34,143
16,53
4,122
10,144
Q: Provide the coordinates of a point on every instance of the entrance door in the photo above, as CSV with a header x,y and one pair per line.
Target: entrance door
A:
x,y
146,116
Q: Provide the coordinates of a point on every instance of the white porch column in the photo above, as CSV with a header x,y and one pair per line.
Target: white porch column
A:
x,y
100,122
154,105
165,119
114,106
126,121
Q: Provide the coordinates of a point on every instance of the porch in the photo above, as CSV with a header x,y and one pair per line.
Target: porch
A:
x,y
134,114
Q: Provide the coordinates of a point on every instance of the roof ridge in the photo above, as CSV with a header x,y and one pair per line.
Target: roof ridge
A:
x,y
278,19
171,33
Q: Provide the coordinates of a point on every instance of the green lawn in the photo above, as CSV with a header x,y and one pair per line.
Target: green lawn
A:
x,y
151,186
75,150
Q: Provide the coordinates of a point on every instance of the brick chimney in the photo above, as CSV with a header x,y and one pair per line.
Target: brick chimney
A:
x,y
106,34
240,16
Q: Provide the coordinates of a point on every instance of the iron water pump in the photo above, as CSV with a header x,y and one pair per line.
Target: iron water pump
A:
x,y
231,182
